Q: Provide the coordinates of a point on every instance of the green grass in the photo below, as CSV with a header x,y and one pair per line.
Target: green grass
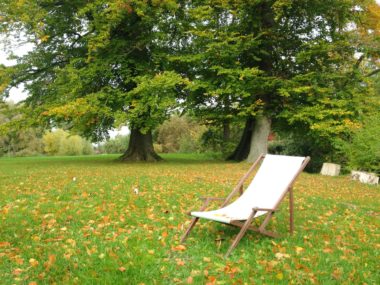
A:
x,y
96,230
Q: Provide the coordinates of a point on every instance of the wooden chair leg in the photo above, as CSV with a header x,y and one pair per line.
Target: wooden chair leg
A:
x,y
192,224
291,211
241,233
194,220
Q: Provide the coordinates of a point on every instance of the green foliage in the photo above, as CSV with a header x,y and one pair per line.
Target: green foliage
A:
x,y
96,64
215,139
60,142
115,145
298,144
179,134
363,150
16,140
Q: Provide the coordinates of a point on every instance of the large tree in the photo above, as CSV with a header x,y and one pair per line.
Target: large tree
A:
x,y
95,65
279,63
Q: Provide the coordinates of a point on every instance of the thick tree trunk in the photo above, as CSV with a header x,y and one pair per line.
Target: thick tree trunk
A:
x,y
259,140
242,150
140,148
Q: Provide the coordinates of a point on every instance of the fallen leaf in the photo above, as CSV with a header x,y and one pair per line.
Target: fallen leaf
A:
x,y
33,262
299,249
49,263
179,247
206,259
17,271
180,262
280,255
327,250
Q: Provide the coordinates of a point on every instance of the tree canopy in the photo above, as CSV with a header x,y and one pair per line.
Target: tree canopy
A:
x,y
302,65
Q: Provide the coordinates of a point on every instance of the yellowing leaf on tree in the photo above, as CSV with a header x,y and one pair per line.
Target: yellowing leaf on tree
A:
x,y
44,38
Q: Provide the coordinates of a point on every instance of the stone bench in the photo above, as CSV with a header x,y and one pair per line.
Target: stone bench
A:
x,y
365,177
330,169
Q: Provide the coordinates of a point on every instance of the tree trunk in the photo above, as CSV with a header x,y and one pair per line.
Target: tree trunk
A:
x,y
226,131
242,150
259,140
140,147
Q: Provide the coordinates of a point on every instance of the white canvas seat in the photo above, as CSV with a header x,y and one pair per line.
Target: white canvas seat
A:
x,y
265,191
272,182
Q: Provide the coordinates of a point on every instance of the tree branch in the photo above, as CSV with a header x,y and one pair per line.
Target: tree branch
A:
x,y
373,72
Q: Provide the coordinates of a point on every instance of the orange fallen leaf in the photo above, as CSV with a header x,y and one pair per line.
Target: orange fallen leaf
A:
x,y
19,260
17,271
180,262
189,280
327,250
211,280
4,244
179,247
49,263
122,269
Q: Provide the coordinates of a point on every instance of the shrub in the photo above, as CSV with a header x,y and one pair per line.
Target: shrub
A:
x,y
116,145
60,142
363,150
179,134
319,149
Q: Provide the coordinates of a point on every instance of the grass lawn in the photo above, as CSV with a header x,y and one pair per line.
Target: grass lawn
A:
x,y
77,220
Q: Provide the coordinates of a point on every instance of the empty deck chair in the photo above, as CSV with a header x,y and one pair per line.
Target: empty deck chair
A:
x,y
272,182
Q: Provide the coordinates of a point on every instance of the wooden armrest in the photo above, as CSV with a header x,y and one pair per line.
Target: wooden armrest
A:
x,y
206,201
264,209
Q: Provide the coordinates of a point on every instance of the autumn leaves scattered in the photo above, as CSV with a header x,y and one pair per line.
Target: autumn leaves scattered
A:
x,y
98,230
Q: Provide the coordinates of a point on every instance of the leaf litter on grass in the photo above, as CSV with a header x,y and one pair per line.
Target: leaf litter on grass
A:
x,y
97,229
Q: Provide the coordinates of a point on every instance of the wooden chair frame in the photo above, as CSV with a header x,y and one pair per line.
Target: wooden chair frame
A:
x,y
247,224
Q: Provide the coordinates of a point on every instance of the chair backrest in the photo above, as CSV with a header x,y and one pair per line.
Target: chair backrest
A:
x,y
271,182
